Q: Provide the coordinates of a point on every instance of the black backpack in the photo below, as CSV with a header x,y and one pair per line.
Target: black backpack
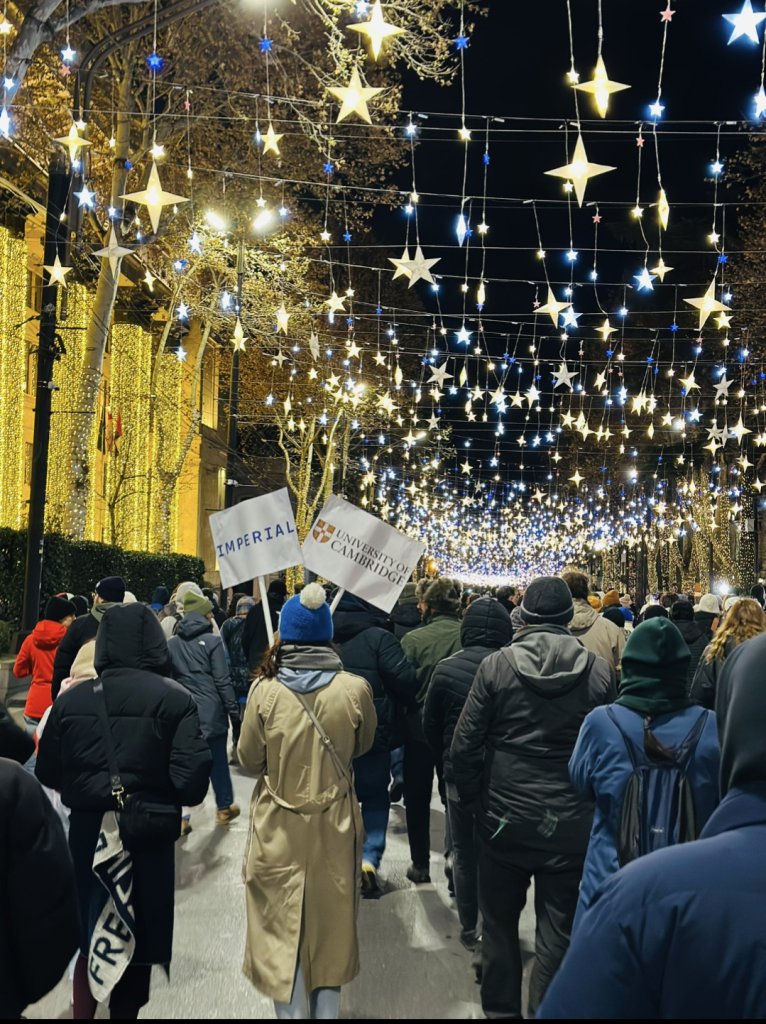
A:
x,y
658,805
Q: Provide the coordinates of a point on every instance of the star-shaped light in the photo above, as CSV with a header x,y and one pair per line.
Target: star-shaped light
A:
x,y
656,108
5,124
601,87
606,329
335,304
644,280
149,280
377,29
552,307
402,270
760,102
5,27
354,98
68,54
563,376
183,311
739,430
238,338
153,197
265,45
577,479
580,170
73,142
113,252
463,336
663,209
420,268
154,61
667,14
745,23
195,243
712,447
282,318
722,387
516,400
661,269
689,382
57,273
466,467
569,318
532,396
271,141
707,304
85,197
600,381
723,321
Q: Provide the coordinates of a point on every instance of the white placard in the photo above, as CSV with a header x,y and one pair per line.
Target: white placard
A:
x,y
255,538
361,553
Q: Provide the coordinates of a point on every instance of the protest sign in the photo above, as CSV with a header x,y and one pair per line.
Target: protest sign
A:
x,y
255,538
361,553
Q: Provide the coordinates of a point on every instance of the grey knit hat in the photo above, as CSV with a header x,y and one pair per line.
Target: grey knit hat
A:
x,y
547,601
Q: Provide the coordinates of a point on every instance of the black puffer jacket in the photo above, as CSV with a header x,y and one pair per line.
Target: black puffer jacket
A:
x,y
153,720
369,649
705,683
519,726
696,640
83,629
485,629
39,921
406,616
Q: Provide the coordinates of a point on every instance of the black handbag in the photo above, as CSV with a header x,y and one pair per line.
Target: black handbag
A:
x,y
144,819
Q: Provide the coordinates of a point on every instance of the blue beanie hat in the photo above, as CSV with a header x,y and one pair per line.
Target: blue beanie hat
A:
x,y
306,618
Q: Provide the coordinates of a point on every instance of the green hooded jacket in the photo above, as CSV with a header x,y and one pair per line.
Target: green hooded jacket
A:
x,y
427,646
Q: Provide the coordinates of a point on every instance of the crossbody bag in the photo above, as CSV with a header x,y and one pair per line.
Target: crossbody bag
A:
x,y
143,818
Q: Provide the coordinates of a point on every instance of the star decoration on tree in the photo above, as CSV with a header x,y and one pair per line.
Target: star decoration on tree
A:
x,y
353,99
335,304
377,29
238,339
114,252
282,318
56,272
153,197
73,142
271,141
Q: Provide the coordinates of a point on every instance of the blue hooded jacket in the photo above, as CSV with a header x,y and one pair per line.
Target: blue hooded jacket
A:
x,y
679,934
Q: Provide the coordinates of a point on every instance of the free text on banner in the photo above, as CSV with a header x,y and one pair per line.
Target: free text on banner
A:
x,y
361,553
255,538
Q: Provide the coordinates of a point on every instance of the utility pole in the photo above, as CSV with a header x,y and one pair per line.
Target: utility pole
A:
x,y
231,441
47,350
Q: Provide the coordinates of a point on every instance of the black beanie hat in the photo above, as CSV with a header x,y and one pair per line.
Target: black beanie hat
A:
x,y
111,588
82,604
547,600
59,608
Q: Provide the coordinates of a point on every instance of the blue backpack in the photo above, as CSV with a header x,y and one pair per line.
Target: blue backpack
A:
x,y
658,806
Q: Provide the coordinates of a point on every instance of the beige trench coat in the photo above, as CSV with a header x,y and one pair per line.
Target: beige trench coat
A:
x,y
304,857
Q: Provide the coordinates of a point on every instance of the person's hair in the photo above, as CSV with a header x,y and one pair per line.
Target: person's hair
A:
x,y
578,585
443,596
272,659
682,611
470,598
655,611
506,593
743,621
668,600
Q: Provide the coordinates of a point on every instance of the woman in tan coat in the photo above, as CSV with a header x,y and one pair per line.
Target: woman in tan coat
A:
x,y
306,721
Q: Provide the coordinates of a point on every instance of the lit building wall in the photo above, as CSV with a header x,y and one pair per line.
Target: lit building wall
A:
x,y
168,426
13,377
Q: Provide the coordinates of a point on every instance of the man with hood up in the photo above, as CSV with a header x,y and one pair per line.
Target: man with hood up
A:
x,y
679,933
406,613
510,754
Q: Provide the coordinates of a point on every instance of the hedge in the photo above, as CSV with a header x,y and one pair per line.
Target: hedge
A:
x,y
76,567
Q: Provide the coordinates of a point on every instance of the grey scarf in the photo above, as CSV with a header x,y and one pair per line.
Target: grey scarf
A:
x,y
305,668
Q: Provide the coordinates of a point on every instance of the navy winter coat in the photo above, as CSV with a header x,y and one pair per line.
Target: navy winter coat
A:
x,y
600,770
369,648
485,628
679,934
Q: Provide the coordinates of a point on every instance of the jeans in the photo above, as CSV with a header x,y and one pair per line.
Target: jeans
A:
x,y
465,861
371,777
505,870
419,767
321,1004
30,725
220,776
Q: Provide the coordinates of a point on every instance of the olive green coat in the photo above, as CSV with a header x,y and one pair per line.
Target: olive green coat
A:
x,y
427,646
304,855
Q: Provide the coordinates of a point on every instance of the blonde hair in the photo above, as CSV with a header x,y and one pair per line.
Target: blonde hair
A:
x,y
744,620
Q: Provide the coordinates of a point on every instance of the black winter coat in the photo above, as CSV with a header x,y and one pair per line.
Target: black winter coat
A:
x,y
485,629
83,629
406,616
153,719
516,734
705,683
696,640
15,745
199,664
369,649
39,922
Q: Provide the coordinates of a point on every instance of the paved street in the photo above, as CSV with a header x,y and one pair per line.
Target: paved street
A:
x,y
412,962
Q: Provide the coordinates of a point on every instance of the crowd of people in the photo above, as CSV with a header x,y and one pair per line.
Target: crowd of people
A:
x,y
609,753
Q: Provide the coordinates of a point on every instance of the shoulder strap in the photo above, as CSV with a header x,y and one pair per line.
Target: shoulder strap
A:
x,y
115,780
635,753
329,746
686,749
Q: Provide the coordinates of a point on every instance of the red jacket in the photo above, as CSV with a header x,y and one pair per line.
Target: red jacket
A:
x,y
36,659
